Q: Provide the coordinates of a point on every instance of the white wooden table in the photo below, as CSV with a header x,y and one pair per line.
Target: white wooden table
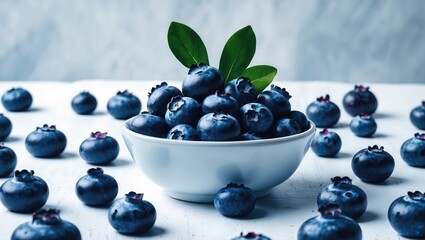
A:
x,y
278,216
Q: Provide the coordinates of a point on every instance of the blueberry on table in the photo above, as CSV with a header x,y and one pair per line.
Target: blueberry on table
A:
x,y
301,119
326,143
8,161
363,125
160,96
360,100
286,127
46,224
417,116
413,151
242,90
256,118
323,112
132,214
277,100
218,127
235,200
183,110
148,124
5,127
351,199
16,100
373,164
45,142
183,132
84,103
124,105
99,148
251,236
331,224
24,193
96,188
220,102
407,215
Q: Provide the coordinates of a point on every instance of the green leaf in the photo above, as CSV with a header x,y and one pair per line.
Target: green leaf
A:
x,y
186,45
261,76
237,53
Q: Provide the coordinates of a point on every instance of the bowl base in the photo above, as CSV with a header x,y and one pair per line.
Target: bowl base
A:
x,y
207,198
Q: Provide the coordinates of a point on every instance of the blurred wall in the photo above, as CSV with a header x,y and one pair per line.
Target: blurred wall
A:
x,y
351,40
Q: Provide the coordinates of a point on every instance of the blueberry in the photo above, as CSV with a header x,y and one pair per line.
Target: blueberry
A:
x,y
286,127
256,118
124,105
363,125
326,143
235,200
301,119
84,103
5,127
413,151
220,102
247,136
417,116
45,142
8,161
16,100
360,100
351,199
242,90
323,112
218,127
46,224
24,192
277,100
183,132
96,188
251,236
132,214
202,81
330,225
407,215
99,149
160,96
373,164
148,124
183,110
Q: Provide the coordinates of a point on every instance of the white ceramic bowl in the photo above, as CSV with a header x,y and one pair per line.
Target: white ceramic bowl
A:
x,y
194,170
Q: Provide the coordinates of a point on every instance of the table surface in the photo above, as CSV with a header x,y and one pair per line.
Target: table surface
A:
x,y
278,215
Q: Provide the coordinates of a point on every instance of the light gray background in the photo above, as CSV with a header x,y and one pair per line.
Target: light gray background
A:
x,y
350,40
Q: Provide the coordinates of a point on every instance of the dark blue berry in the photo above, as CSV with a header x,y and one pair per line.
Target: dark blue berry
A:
x,y
286,127
235,200
326,143
351,199
160,96
99,148
360,100
242,90
8,161
363,125
277,100
45,142
256,118
220,102
24,192
323,112
413,151
124,105
84,103
96,188
417,116
16,100
373,164
301,119
5,127
148,124
247,136
46,224
183,132
132,214
251,236
407,215
218,127
183,110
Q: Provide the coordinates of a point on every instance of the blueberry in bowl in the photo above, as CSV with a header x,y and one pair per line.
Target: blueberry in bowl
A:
x,y
220,102
256,118
417,116
326,143
218,127
124,105
412,151
363,125
5,127
323,112
99,148
277,100
148,124
360,100
242,90
160,96
235,200
46,142
183,132
183,110
8,160
84,103
16,100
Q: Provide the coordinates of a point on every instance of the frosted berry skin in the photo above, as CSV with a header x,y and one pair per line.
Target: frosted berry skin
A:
x,y
242,90
256,118
326,143
407,215
360,100
46,142
417,116
323,112
5,127
24,193
235,200
84,103
218,127
251,236
183,132
99,149
183,110
363,125
412,151
148,124
286,127
330,225
46,224
16,100
373,164
220,102
351,199
132,214
124,105
160,96
8,161
277,100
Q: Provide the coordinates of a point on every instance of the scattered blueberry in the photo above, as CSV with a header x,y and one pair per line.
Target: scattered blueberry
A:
x,y
235,200
323,112
24,192
286,127
202,81
256,118
413,150
326,143
251,236
99,149
242,90
84,103
124,105
407,215
148,124
360,100
46,224
417,116
132,214
218,127
373,164
183,132
8,161
16,100
183,110
45,142
301,119
363,125
96,188
5,127
220,102
277,100
160,96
